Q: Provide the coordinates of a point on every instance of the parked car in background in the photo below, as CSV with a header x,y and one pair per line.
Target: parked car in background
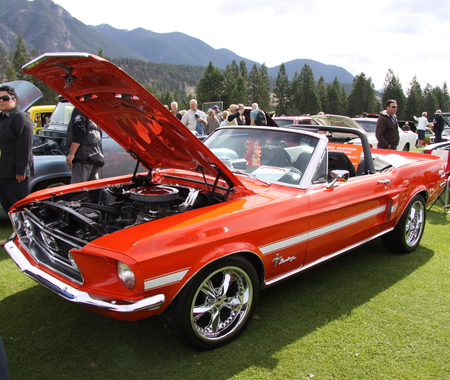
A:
x,y
289,120
210,224
51,140
445,136
411,124
27,93
50,167
428,135
40,115
408,139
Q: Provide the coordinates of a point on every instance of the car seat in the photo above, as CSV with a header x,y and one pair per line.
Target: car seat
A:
x,y
340,161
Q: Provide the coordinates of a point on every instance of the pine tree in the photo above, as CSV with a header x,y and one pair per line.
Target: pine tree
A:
x,y
20,58
334,103
281,91
259,86
321,90
263,99
253,83
239,93
414,100
295,95
441,97
307,96
229,80
210,85
430,102
392,89
243,70
362,97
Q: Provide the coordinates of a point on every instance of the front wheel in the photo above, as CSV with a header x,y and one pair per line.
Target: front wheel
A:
x,y
214,308
408,232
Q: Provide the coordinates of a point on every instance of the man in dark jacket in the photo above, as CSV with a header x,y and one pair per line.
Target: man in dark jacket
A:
x,y
387,127
438,127
84,142
16,143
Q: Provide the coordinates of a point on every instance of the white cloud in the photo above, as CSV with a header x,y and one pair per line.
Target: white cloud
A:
x,y
411,37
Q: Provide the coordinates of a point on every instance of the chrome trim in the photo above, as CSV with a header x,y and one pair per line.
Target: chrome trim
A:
x,y
74,295
323,259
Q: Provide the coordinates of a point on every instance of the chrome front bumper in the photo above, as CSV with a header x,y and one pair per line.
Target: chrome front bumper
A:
x,y
74,295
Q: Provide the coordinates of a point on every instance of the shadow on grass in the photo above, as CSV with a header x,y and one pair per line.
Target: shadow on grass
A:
x,y
437,216
5,232
48,337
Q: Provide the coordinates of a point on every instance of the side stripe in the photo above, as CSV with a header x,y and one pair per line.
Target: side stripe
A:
x,y
168,279
289,242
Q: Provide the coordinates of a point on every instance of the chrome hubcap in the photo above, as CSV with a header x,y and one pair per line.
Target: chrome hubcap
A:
x,y
221,303
414,224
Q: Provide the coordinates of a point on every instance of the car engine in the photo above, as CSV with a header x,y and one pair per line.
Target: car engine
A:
x,y
100,212
50,228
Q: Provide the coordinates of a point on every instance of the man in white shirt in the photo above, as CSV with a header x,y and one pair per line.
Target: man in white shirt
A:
x,y
191,117
421,128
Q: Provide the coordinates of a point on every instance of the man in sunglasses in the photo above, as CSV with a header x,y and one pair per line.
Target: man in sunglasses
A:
x,y
387,127
16,157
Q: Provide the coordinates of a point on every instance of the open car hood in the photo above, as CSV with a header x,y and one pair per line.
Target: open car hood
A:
x,y
337,121
127,112
27,92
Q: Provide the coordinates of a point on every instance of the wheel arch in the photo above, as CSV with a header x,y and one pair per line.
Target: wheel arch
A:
x,y
251,256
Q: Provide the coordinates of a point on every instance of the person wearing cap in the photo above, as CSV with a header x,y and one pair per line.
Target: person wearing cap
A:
x,y
438,126
16,143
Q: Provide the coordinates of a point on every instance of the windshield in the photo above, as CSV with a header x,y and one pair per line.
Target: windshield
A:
x,y
283,122
62,113
368,125
267,154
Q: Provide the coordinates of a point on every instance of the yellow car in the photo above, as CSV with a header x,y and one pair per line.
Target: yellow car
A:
x,y
40,115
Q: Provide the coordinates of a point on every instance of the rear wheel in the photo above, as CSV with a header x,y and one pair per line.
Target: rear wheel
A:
x,y
408,232
214,308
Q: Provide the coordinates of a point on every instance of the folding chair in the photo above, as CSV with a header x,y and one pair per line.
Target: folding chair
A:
x,y
444,197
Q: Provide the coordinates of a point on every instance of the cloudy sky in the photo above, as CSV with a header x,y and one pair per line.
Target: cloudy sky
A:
x,y
411,37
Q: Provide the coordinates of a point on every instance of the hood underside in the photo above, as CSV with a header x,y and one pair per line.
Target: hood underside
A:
x,y
127,112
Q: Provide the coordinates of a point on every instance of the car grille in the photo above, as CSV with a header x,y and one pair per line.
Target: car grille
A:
x,y
48,246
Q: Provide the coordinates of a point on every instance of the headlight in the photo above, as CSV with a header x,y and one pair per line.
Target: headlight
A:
x,y
126,275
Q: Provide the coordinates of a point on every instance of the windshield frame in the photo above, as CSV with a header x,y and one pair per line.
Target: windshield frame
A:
x,y
237,162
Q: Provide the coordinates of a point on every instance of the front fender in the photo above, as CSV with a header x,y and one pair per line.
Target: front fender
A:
x,y
49,167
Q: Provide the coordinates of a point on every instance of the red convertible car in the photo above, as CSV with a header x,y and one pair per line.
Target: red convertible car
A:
x,y
198,235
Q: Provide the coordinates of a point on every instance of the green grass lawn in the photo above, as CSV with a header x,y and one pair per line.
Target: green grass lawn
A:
x,y
369,314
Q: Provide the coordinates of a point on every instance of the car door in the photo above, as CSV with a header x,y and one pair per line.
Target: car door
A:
x,y
346,215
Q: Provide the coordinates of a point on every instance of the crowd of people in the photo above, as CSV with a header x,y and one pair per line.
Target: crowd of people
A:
x,y
204,123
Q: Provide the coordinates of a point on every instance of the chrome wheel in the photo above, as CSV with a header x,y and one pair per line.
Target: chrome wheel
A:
x,y
406,235
216,305
415,222
221,303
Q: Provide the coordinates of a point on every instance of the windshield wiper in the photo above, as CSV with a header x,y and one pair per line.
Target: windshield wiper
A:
x,y
240,172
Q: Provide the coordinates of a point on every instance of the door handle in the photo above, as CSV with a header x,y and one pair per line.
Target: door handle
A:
x,y
384,181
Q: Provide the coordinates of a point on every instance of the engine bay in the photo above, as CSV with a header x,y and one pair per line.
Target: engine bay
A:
x,y
89,214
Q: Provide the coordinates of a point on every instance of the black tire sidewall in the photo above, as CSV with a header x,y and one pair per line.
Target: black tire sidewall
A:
x,y
395,240
178,314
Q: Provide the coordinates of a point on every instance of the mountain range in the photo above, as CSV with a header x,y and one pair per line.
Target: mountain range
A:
x,y
47,27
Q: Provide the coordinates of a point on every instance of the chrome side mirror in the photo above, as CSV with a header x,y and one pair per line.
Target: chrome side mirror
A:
x,y
338,176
